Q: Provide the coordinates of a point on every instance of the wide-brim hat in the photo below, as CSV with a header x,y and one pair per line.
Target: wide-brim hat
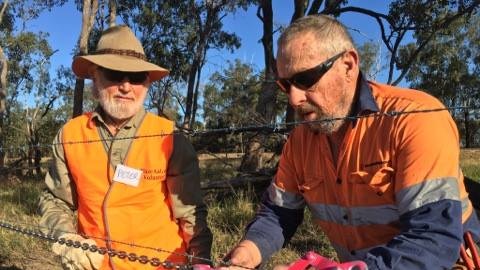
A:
x,y
118,49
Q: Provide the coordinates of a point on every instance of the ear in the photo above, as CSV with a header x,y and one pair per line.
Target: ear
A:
x,y
351,63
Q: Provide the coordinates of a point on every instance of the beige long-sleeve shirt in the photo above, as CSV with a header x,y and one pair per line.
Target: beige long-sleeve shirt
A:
x,y
58,203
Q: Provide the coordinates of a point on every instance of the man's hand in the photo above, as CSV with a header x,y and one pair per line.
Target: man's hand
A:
x,y
245,254
76,258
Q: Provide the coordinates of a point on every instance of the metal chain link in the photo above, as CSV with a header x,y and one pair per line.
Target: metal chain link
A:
x,y
155,262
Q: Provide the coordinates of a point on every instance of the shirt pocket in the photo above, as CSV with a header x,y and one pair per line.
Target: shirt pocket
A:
x,y
375,180
310,188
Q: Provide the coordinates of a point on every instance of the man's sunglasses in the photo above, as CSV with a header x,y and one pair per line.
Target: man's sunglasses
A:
x,y
304,80
119,76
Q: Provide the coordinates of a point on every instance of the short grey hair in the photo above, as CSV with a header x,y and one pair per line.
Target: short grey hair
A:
x,y
331,34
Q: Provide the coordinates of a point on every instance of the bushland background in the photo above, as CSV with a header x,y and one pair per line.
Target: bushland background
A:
x,y
233,111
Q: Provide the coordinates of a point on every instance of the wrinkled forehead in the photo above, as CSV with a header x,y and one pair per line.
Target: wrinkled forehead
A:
x,y
297,54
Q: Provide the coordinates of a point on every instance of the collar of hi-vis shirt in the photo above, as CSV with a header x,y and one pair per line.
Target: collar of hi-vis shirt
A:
x,y
114,144
364,102
98,117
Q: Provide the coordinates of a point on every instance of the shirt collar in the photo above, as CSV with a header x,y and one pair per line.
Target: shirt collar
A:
x,y
364,102
135,121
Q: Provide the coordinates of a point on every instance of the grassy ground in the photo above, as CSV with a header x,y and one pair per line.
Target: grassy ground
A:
x,y
18,199
470,163
229,212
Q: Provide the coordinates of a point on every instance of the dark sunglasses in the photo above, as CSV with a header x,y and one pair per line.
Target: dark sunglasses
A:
x,y
307,78
118,76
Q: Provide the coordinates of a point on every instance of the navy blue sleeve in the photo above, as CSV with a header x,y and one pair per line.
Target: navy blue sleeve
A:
x,y
272,227
430,239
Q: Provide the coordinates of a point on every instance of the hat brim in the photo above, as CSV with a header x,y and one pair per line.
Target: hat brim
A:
x,y
82,64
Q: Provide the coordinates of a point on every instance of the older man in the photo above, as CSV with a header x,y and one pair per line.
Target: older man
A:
x,y
133,183
383,184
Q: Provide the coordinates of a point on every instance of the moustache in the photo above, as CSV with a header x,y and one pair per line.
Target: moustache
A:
x,y
306,108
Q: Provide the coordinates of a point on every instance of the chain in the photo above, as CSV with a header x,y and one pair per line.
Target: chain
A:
x,y
155,262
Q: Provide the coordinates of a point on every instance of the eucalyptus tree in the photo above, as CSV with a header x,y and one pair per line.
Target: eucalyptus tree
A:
x,y
178,35
450,70
227,101
24,58
89,10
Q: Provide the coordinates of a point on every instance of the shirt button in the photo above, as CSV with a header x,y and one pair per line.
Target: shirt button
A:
x,y
339,181
379,193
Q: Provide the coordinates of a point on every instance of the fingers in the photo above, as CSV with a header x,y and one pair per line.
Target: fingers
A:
x,y
245,255
76,258
95,258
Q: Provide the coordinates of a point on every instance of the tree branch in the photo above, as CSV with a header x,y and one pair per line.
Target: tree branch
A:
x,y
2,11
299,11
315,7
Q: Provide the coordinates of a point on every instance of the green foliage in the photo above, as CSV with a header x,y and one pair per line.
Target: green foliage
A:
x,y
369,59
449,70
28,56
178,35
228,98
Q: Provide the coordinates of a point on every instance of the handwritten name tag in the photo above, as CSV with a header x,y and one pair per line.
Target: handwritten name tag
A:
x,y
127,175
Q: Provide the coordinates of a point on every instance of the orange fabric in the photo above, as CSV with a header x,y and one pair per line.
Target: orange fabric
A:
x,y
140,215
376,162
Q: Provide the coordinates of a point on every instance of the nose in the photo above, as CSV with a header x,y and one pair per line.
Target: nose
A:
x,y
125,85
296,96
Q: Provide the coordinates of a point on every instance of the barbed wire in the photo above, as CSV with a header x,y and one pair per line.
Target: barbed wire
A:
x,y
36,231
281,128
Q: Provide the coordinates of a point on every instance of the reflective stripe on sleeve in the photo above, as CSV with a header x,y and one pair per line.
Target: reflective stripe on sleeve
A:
x,y
355,216
428,191
283,198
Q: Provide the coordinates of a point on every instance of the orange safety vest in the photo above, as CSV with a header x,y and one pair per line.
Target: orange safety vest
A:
x,y
140,215
358,202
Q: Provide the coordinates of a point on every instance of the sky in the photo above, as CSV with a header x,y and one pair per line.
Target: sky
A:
x,y
63,25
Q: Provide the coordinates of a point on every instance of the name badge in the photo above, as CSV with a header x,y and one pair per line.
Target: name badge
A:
x,y
127,175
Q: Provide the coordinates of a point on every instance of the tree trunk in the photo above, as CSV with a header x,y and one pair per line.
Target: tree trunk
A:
x,y
190,87
3,98
78,97
112,18
195,97
197,63
37,159
467,128
3,92
90,8
252,160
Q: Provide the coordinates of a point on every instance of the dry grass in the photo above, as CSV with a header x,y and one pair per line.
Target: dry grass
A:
x,y
470,163
18,201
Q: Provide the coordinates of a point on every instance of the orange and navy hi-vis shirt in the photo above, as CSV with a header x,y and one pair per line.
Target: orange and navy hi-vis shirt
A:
x,y
123,213
395,196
